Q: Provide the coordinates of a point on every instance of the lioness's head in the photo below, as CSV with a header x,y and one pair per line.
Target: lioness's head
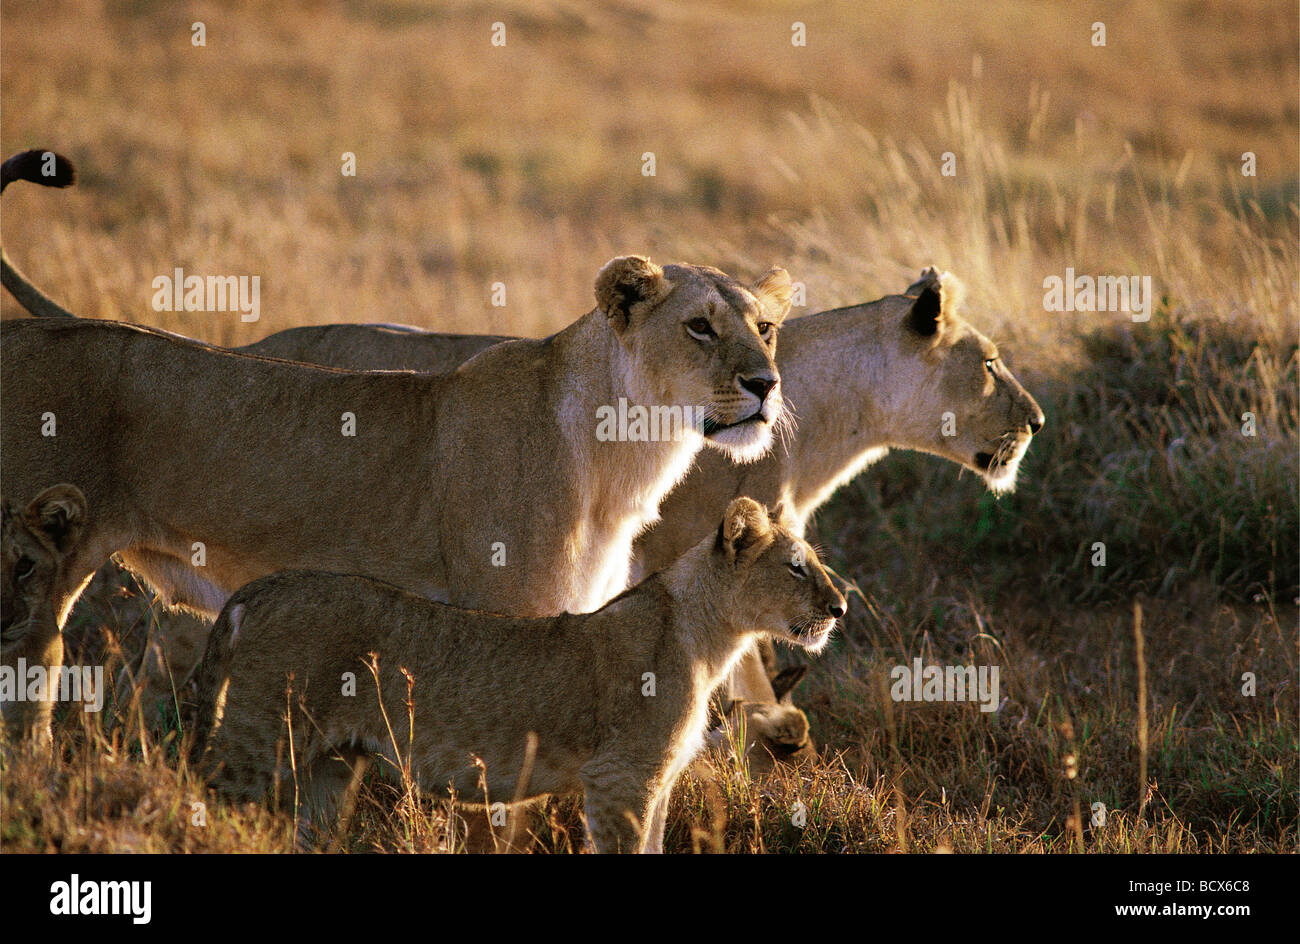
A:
x,y
699,339
37,540
968,405
777,584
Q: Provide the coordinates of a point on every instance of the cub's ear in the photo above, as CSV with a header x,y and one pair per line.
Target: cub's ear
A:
x,y
774,292
59,513
744,526
783,682
629,285
936,299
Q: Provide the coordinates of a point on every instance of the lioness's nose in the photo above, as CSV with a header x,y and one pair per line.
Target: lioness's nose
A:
x,y
1036,421
836,608
758,386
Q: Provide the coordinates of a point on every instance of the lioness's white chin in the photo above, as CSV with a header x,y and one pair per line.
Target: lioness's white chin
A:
x,y
814,637
745,442
1001,476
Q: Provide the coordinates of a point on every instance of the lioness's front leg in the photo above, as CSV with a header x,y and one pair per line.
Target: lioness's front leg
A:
x,y
654,835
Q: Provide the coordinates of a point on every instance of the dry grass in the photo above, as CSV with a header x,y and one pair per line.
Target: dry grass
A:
x,y
523,165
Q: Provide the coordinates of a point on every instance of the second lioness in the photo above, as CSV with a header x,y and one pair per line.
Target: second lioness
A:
x,y
617,699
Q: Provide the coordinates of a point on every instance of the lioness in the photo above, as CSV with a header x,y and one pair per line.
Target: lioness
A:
x,y
37,540
617,699
487,487
906,371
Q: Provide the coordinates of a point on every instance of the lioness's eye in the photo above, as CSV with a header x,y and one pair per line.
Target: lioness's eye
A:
x,y
764,329
988,365
23,568
798,571
699,328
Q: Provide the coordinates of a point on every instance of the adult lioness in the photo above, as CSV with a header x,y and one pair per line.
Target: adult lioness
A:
x,y
482,683
906,371
35,541
488,487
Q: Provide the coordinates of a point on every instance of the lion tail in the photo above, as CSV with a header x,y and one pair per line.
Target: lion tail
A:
x,y
49,170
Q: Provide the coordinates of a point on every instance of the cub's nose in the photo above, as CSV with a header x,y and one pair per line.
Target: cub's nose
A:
x,y
758,386
835,608
1036,422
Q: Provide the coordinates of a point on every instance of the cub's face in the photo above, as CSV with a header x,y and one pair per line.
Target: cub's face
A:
x,y
36,540
971,407
781,587
700,340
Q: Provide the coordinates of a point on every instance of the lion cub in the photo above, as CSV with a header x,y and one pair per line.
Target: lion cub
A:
x,y
37,540
617,699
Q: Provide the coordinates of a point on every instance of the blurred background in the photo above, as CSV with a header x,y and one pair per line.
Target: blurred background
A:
x,y
522,164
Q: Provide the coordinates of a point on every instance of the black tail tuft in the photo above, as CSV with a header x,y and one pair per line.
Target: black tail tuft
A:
x,y
40,167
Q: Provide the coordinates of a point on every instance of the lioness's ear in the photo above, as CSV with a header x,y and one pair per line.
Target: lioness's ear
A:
x,y
628,285
783,682
774,291
929,276
60,513
782,514
937,299
744,525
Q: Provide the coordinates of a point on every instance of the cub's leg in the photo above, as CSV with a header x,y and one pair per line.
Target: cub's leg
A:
x,y
31,720
618,804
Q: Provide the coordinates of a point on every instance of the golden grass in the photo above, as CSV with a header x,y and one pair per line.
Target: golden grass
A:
x,y
522,165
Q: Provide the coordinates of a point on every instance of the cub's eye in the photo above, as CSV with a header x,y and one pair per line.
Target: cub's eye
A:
x,y
765,329
23,567
988,365
700,329
798,571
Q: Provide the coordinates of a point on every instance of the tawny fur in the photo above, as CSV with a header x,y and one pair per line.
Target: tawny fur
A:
x,y
37,540
764,733
859,380
177,443
617,699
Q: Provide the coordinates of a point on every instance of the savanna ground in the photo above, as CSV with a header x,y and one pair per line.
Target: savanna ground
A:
x,y
523,164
